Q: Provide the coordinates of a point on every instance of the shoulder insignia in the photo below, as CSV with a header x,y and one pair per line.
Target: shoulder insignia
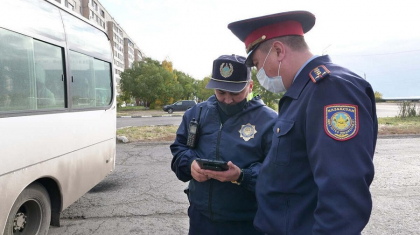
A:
x,y
247,131
341,121
319,73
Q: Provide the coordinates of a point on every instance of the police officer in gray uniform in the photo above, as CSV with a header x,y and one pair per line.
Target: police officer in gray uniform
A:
x,y
316,177
230,128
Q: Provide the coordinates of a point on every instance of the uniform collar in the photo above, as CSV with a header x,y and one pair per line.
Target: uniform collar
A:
x,y
302,77
303,66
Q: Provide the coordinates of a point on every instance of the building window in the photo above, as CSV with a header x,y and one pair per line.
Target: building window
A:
x,y
102,14
59,1
70,6
95,5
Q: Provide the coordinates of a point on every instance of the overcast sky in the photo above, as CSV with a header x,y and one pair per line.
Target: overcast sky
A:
x,y
379,40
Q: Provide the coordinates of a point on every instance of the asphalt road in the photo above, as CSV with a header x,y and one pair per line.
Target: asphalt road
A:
x,y
143,195
148,121
387,109
383,110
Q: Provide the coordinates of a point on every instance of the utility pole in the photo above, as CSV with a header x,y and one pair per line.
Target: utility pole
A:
x,y
324,51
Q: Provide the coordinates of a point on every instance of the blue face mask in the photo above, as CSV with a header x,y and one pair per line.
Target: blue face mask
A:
x,y
274,84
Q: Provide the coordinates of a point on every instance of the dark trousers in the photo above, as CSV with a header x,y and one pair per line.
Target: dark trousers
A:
x,y
201,225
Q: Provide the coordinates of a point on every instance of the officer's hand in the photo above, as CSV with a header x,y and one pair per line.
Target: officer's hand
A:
x,y
231,174
197,172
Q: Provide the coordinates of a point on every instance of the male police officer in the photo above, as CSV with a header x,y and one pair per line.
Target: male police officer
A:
x,y
316,177
230,129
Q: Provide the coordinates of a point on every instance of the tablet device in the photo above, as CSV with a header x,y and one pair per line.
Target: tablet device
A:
x,y
213,165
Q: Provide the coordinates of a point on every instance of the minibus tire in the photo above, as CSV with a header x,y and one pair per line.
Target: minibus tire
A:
x,y
31,212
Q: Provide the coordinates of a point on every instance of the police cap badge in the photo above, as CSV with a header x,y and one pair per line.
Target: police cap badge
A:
x,y
229,74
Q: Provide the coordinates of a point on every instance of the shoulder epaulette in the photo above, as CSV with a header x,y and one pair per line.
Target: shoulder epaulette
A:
x,y
319,73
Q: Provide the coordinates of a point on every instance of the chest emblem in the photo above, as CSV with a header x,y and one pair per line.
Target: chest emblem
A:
x,y
341,121
247,131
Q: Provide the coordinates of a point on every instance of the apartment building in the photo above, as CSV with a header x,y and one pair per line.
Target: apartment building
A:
x,y
137,54
128,53
124,49
116,34
74,5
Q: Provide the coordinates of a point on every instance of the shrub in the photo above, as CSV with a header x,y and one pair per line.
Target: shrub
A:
x,y
407,109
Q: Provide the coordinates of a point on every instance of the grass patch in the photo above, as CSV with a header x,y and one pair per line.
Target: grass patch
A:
x,y
131,108
399,126
410,121
148,133
138,111
126,111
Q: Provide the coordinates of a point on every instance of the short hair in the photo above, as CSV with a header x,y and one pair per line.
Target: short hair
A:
x,y
296,43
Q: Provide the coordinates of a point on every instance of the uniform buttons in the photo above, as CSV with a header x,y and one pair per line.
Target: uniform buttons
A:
x,y
278,130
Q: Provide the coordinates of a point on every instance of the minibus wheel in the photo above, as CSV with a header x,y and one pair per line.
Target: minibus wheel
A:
x,y
31,212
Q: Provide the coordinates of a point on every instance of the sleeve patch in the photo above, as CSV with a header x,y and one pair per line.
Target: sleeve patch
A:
x,y
319,73
341,121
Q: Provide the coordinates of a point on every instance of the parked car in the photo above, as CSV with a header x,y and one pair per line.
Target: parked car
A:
x,y
181,105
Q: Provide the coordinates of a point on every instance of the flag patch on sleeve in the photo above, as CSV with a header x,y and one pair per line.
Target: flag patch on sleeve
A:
x,y
341,121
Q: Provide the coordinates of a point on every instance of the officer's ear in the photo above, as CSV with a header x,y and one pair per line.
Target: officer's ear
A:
x,y
280,50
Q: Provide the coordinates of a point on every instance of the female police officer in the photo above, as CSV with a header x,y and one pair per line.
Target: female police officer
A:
x,y
231,129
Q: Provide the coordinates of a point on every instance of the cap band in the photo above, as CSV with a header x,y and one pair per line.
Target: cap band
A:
x,y
250,46
218,80
284,28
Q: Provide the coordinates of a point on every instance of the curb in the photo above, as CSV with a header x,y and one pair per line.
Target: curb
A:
x,y
403,136
148,116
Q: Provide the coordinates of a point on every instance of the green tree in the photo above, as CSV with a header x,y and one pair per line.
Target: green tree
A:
x,y
148,81
158,83
123,97
187,84
378,96
201,92
167,65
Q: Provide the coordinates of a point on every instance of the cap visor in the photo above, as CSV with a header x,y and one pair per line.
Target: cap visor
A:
x,y
226,86
248,61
